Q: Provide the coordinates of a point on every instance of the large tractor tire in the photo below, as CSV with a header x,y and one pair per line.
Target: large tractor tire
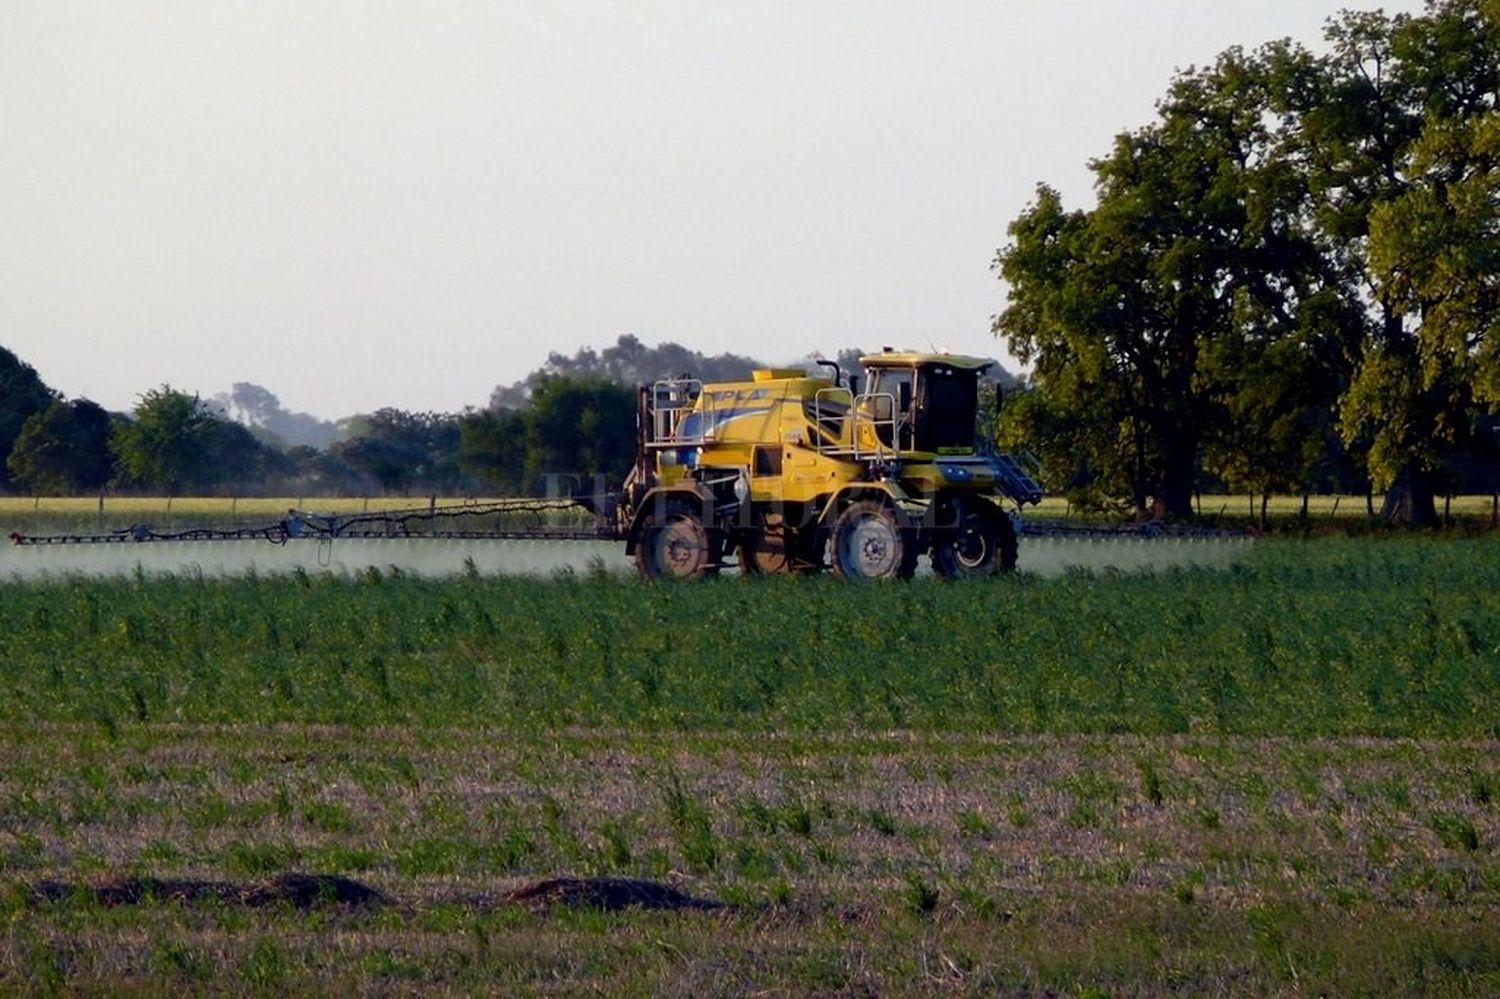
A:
x,y
980,543
870,542
678,546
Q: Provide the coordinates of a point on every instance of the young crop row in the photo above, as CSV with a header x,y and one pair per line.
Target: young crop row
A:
x,y
1395,638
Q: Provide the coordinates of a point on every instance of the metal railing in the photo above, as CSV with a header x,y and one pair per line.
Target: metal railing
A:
x,y
673,400
874,427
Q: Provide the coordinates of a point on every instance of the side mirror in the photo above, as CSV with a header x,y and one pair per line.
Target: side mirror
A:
x,y
854,384
903,392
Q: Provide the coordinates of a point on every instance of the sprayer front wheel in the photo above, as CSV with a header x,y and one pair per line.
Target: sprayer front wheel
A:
x,y
869,542
679,546
979,544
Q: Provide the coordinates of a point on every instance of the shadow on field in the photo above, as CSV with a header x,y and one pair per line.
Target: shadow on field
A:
x,y
309,891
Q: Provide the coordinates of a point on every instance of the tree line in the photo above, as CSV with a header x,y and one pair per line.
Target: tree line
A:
x,y
557,429
1289,281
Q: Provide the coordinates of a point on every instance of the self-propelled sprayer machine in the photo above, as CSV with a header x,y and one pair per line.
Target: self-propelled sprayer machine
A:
x,y
790,472
784,472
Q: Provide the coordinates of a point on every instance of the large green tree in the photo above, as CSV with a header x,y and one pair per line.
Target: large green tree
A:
x,y
166,445
400,450
22,394
1300,249
577,430
175,443
492,448
1433,250
1195,238
63,450
1393,131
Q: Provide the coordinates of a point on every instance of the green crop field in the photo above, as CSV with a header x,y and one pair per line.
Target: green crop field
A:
x,y
1281,776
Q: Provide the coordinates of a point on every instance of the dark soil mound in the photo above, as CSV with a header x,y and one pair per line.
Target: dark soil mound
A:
x,y
611,894
303,891
134,891
309,891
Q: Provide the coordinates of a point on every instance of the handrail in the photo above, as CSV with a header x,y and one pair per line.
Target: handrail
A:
x,y
672,401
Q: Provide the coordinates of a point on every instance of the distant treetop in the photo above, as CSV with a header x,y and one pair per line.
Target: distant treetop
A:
x,y
630,362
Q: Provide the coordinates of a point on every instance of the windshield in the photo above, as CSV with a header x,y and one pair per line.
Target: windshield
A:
x,y
947,403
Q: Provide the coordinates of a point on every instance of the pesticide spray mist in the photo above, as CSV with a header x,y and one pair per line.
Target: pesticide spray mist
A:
x,y
436,558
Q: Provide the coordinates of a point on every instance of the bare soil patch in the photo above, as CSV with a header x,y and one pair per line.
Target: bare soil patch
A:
x,y
610,894
301,891
310,891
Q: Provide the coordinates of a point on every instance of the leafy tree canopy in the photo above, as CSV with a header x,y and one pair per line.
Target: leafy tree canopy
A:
x,y
175,442
63,450
1299,247
22,394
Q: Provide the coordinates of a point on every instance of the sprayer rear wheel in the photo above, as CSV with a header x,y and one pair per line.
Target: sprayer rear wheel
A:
x,y
679,546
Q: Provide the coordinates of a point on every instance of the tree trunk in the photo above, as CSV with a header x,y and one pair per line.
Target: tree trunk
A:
x,y
1265,498
1409,500
1304,506
1495,509
1179,470
1139,486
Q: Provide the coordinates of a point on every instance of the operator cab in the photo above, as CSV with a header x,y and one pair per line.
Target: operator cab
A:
x,y
934,399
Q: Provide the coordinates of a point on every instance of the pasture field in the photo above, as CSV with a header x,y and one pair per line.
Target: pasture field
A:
x,y
62,514
1277,777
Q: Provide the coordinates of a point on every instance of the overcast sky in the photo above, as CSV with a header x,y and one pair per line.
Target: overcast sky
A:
x,y
371,204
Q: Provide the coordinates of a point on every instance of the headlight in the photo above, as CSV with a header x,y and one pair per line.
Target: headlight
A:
x,y
955,473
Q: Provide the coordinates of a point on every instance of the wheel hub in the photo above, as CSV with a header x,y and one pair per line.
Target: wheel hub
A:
x,y
972,547
681,549
874,547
